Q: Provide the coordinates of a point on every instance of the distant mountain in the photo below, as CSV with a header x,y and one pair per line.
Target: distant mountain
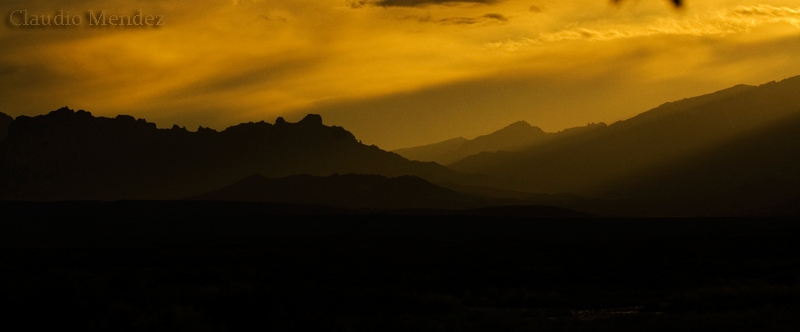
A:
x,y
444,152
5,121
68,155
350,190
515,137
606,162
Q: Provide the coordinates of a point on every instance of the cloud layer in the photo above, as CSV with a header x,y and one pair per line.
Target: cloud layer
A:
x,y
725,22
414,3
483,19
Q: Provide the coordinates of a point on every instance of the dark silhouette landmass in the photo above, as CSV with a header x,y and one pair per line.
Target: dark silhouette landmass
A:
x,y
733,152
599,162
366,194
68,155
186,211
756,174
349,190
360,252
5,121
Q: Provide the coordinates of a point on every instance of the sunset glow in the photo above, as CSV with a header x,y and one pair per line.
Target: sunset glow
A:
x,y
395,73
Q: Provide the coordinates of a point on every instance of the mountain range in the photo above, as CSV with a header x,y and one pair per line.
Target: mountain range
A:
x,y
732,152
69,155
514,137
690,152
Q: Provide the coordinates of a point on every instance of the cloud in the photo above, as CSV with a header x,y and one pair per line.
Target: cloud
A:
x,y
483,19
765,13
720,23
536,9
677,3
495,16
414,3
275,18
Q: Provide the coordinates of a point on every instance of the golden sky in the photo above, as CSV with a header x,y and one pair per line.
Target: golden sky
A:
x,y
394,72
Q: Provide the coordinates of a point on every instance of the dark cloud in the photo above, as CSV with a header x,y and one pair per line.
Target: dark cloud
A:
x,y
275,18
420,19
536,9
488,18
460,20
413,3
495,16
677,3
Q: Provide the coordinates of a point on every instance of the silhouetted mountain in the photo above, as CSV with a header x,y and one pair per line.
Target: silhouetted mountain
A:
x,y
596,162
5,121
350,190
68,155
756,173
515,137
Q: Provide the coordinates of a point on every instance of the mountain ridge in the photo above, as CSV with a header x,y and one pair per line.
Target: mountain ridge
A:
x,y
591,163
513,137
695,156
72,155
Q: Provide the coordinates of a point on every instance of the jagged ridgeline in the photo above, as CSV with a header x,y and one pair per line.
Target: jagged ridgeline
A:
x,y
69,155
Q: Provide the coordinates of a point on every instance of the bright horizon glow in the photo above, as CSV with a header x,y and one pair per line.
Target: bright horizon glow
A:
x,y
394,76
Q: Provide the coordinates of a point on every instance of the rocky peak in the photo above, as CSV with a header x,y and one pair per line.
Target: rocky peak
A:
x,y
312,119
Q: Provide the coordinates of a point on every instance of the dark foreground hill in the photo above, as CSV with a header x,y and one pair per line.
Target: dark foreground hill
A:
x,y
68,155
756,173
349,190
5,121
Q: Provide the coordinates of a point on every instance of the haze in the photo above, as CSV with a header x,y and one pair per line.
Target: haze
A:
x,y
395,73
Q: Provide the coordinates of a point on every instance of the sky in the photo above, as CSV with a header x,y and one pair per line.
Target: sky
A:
x,y
396,73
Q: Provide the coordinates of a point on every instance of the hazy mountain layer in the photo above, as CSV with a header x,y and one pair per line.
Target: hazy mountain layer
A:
x,y
515,137
444,152
598,162
756,173
68,155
350,190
